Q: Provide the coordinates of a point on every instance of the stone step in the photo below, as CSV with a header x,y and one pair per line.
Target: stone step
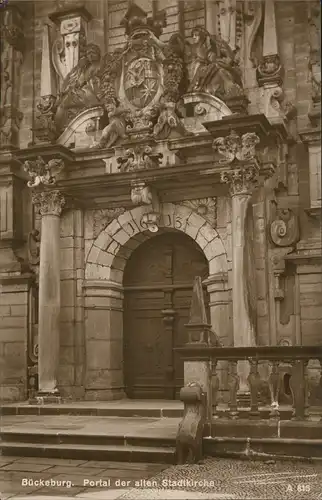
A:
x,y
59,437
117,453
263,448
174,410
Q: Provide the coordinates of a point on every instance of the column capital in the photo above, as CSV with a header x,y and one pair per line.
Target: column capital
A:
x,y
242,180
50,202
236,147
42,172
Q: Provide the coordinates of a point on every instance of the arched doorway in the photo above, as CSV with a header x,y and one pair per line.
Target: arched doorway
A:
x,y
158,282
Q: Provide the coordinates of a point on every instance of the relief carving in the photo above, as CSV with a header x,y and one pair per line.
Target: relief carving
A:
x,y
315,59
235,147
139,86
241,180
102,218
141,194
284,230
139,157
212,66
205,207
34,247
12,45
49,202
42,172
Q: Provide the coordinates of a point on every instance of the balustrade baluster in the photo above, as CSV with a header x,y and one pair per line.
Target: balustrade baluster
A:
x,y
299,389
306,390
233,383
274,383
214,388
254,383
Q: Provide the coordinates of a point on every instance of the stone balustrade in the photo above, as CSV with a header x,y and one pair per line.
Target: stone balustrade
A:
x,y
268,365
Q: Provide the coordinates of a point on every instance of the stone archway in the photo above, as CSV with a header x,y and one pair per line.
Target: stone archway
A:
x,y
104,270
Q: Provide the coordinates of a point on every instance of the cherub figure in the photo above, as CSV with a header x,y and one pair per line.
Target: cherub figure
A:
x,y
116,128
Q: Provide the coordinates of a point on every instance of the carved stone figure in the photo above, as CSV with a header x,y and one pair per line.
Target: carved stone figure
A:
x,y
190,431
212,65
34,247
116,128
141,194
80,87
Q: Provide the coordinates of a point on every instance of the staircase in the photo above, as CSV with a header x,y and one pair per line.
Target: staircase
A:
x,y
119,431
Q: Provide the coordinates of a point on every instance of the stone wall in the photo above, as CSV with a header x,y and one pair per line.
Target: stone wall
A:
x,y
14,303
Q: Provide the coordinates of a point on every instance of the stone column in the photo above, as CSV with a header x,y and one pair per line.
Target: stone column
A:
x,y
51,204
241,174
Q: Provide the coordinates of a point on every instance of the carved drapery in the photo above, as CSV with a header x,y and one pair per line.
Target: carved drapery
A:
x,y
12,42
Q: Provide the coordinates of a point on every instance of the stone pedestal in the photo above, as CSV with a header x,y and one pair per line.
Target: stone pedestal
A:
x,y
51,204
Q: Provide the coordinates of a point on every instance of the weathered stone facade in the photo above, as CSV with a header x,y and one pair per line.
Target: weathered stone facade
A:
x,y
201,119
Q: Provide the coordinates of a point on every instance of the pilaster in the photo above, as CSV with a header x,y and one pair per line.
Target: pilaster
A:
x,y
270,70
12,43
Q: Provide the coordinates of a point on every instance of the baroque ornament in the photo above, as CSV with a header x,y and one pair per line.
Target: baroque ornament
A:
x,y
102,218
141,194
270,70
212,65
34,247
205,207
139,157
284,229
49,202
235,147
42,172
241,180
140,85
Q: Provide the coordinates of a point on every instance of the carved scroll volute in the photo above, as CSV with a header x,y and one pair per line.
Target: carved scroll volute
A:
x,y
284,230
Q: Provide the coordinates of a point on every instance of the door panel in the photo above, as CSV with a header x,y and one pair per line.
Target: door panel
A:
x,y
158,278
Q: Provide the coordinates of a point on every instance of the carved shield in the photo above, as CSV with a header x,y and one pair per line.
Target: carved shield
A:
x,y
141,81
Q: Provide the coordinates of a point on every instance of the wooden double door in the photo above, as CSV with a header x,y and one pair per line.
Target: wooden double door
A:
x,y
158,283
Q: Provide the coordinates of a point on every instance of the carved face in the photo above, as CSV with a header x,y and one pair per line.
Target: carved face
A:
x,y
93,53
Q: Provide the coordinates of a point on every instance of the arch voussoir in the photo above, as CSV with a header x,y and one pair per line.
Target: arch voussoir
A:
x,y
113,246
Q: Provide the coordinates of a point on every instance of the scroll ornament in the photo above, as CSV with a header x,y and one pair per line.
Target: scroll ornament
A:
x,y
284,229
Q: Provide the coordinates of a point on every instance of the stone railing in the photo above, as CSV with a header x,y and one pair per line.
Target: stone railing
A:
x,y
268,366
